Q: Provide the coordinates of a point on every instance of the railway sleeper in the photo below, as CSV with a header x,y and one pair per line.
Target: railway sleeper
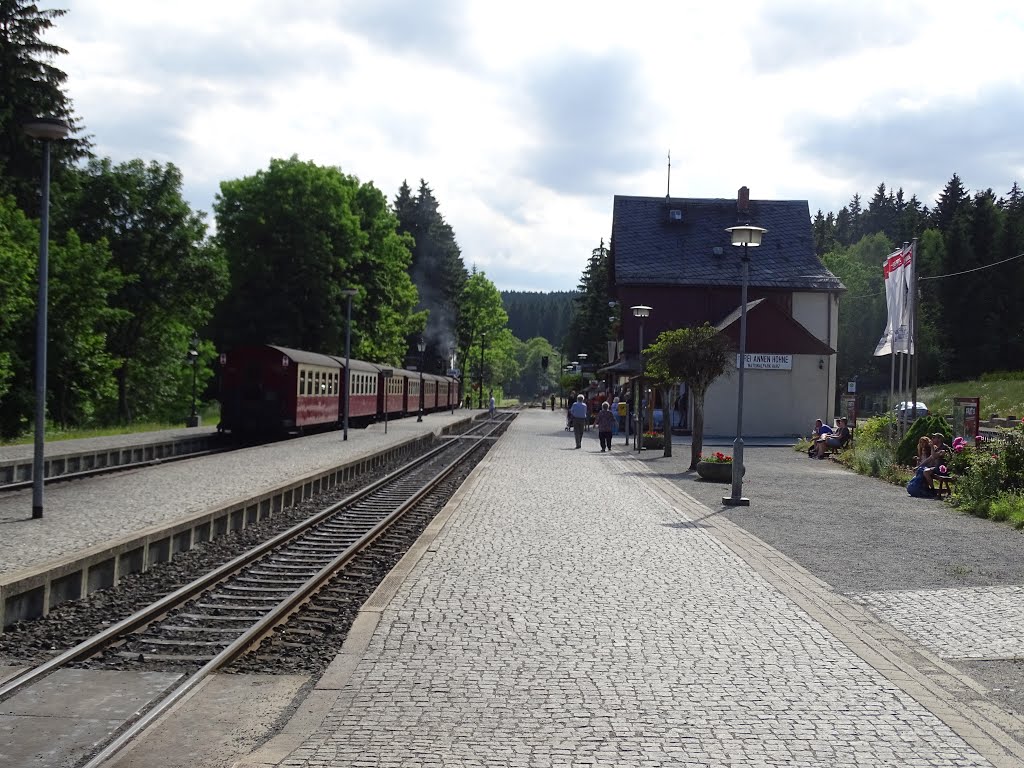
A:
x,y
229,607
151,657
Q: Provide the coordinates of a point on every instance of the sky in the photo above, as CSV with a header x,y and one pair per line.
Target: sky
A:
x,y
527,118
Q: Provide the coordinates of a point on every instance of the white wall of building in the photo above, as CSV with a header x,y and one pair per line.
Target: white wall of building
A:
x,y
775,403
782,403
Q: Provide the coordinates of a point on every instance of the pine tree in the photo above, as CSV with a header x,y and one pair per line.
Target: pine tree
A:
x,y
437,270
31,86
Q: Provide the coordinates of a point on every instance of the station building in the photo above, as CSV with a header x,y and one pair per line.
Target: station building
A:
x,y
675,255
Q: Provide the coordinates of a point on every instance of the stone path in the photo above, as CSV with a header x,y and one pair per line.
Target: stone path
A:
x,y
577,610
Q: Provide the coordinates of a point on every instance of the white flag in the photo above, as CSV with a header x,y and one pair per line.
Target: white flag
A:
x,y
901,339
890,265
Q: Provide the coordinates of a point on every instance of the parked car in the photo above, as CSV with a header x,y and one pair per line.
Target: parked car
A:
x,y
912,410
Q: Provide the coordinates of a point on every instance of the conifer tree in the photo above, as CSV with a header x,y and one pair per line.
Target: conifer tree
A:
x,y
31,86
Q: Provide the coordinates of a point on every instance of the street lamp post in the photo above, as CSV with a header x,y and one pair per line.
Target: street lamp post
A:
x,y
348,293
47,130
742,235
451,369
421,345
483,339
640,312
193,360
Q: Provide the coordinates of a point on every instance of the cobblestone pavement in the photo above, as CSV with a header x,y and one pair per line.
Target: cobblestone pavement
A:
x,y
87,513
973,623
577,612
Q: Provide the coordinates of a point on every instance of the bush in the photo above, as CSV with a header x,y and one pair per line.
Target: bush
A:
x,y
980,484
1008,507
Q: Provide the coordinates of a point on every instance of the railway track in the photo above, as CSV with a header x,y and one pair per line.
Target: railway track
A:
x,y
214,621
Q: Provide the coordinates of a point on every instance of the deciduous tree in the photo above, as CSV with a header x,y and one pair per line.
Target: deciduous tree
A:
x,y
697,356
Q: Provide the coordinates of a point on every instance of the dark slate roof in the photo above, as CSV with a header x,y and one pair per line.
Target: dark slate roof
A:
x,y
651,249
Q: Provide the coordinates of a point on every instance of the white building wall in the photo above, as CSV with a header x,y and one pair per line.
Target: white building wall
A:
x,y
775,403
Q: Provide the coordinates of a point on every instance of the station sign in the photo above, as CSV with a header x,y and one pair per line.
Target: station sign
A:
x,y
767,362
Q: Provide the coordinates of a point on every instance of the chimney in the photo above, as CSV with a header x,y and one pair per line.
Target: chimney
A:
x,y
743,200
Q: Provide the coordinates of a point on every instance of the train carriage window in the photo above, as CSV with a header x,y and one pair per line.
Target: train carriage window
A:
x,y
302,382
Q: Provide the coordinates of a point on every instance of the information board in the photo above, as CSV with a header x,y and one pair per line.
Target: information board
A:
x,y
966,411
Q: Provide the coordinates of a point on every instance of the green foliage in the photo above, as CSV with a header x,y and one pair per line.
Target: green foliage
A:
x,y
170,277
31,86
438,271
1003,395
1002,376
589,328
906,451
534,314
1008,507
19,246
297,234
483,337
696,356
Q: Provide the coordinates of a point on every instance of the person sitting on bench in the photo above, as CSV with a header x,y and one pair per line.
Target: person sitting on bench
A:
x,y
837,440
821,429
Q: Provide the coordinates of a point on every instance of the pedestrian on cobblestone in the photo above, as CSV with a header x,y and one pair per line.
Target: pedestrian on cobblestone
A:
x,y
578,412
605,426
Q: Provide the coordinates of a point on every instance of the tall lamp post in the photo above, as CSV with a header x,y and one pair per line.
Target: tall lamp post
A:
x,y
193,359
742,235
641,312
46,129
348,293
421,345
483,340
451,369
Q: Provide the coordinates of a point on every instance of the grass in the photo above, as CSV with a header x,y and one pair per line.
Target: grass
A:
x,y
1002,396
54,433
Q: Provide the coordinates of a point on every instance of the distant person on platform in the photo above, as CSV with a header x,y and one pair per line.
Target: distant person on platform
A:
x,y
552,403
490,406
578,412
605,426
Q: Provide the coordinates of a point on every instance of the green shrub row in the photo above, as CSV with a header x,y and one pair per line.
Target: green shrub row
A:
x,y
990,475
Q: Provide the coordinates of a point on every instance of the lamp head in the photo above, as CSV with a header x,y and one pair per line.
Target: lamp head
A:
x,y
46,128
746,235
421,345
641,311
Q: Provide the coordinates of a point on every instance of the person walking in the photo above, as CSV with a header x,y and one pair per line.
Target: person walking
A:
x,y
578,412
490,406
605,426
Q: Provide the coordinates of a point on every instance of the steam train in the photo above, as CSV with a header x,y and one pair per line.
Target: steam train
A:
x,y
269,391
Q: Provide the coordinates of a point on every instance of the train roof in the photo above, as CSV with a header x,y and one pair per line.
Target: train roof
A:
x,y
357,365
308,358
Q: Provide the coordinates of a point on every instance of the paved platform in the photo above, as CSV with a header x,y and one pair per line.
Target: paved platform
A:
x,y
578,608
94,529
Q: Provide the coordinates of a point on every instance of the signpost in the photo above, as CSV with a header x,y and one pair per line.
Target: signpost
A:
x,y
386,374
966,412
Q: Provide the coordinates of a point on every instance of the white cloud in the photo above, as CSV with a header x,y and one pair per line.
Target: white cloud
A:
x,y
525,119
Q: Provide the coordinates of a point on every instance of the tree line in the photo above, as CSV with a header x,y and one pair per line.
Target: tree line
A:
x,y
970,316
136,276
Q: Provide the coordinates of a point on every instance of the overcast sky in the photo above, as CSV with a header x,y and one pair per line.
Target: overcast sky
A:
x,y
526,118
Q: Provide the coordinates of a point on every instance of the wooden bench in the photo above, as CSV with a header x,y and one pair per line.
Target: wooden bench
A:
x,y
943,485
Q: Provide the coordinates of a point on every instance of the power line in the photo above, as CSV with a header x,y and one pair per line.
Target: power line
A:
x,y
939,277
976,269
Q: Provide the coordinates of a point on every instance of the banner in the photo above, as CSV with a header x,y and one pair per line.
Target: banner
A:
x,y
898,270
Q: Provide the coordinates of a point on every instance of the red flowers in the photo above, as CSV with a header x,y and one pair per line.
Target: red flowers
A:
x,y
716,458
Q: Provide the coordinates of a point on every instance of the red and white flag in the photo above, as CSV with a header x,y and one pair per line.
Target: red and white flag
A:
x,y
898,269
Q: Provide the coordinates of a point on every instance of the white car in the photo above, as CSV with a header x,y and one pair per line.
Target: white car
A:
x,y
912,410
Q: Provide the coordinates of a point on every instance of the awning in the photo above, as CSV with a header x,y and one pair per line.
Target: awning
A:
x,y
627,367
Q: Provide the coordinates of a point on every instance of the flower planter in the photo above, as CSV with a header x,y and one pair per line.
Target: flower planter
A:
x,y
654,442
716,471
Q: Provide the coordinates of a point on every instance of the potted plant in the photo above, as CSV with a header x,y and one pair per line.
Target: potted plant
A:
x,y
653,440
717,467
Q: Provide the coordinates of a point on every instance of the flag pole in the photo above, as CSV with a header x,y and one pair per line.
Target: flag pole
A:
x,y
913,319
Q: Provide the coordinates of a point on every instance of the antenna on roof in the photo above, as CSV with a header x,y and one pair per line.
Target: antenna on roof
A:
x,y
668,186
